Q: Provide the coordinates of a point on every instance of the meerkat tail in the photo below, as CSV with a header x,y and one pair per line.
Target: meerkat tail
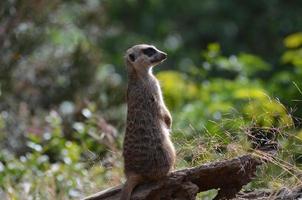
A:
x,y
131,183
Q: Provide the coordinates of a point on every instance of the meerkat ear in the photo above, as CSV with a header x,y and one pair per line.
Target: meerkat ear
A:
x,y
132,57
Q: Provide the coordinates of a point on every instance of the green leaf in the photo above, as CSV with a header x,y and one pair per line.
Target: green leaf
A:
x,y
293,40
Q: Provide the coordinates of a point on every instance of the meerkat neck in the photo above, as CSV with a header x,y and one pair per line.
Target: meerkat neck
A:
x,y
142,73
145,72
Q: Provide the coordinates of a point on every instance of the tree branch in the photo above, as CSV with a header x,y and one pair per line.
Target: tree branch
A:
x,y
228,176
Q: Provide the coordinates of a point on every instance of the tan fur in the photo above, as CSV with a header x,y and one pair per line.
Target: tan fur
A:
x,y
148,151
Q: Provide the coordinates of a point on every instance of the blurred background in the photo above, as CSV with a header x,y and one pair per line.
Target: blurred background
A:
x,y
234,69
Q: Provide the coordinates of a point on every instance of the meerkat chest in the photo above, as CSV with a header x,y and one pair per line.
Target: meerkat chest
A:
x,y
145,93
154,96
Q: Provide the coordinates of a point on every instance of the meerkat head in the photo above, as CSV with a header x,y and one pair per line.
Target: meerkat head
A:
x,y
142,57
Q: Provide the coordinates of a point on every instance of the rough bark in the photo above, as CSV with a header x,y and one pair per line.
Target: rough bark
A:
x,y
284,193
227,176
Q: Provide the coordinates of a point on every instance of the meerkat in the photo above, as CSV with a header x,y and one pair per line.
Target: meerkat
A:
x,y
147,150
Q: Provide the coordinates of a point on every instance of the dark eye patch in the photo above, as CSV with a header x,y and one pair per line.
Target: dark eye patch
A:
x,y
149,51
132,57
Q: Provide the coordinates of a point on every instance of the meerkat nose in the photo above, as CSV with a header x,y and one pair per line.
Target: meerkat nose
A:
x,y
163,56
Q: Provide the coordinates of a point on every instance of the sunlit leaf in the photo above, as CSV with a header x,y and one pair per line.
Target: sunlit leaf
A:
x,y
293,56
250,93
293,40
252,63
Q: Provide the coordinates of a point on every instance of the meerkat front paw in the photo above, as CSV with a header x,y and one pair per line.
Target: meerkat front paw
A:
x,y
168,120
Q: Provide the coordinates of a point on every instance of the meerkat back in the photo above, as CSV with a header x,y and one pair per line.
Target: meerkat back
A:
x,y
147,150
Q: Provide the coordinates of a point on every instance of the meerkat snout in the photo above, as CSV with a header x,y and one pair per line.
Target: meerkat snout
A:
x,y
144,56
159,57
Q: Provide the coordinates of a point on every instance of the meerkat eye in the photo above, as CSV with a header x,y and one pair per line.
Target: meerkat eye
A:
x,y
132,57
149,51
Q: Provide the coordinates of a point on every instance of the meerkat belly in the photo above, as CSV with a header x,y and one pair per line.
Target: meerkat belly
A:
x,y
148,151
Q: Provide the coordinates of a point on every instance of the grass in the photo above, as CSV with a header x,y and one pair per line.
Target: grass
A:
x,y
33,176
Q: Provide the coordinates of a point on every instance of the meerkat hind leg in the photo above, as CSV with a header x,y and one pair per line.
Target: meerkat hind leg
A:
x,y
132,181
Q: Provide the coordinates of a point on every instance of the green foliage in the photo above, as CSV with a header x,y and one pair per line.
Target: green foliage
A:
x,y
294,54
185,90
293,40
64,166
216,96
63,82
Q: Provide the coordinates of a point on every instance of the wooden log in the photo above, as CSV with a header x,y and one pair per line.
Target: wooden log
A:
x,y
265,194
227,176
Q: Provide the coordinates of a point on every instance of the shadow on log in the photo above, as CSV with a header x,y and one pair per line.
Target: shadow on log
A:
x,y
227,176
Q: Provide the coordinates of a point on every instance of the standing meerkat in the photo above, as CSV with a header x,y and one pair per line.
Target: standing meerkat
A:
x,y
148,151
